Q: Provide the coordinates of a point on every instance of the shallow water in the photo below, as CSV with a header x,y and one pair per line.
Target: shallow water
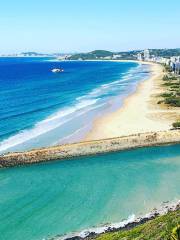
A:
x,y
44,200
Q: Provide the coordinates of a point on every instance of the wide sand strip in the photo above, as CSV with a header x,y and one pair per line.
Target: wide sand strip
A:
x,y
140,112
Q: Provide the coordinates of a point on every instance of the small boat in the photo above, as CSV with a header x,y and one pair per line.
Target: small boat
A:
x,y
57,70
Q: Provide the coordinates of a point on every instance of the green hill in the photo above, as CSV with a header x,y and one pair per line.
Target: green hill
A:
x,y
102,53
165,52
97,54
165,227
128,55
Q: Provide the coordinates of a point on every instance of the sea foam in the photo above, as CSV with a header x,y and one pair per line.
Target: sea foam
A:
x,y
97,97
132,219
52,122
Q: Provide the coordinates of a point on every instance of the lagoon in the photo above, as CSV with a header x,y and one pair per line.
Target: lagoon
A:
x,y
43,200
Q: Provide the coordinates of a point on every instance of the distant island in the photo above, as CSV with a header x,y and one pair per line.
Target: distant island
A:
x,y
36,54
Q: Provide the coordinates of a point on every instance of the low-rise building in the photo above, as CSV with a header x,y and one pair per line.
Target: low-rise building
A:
x,y
177,68
116,56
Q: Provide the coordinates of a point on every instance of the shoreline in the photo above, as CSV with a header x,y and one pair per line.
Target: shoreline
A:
x,y
139,122
139,113
89,148
127,224
96,102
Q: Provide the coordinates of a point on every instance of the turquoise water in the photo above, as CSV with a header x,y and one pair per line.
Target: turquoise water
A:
x,y
40,108
44,200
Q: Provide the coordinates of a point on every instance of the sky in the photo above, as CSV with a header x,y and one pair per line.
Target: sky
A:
x,y
85,25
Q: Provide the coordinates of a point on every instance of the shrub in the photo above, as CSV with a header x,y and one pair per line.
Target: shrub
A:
x,y
160,102
173,78
171,84
175,86
167,84
176,125
166,78
176,233
165,95
173,101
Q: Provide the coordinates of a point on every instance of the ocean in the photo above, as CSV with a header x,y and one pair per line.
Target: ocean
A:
x,y
39,108
41,201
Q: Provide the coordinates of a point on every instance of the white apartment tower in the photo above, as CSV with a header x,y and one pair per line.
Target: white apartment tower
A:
x,y
139,56
146,55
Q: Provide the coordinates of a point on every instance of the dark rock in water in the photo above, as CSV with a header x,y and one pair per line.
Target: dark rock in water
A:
x,y
138,221
91,235
74,238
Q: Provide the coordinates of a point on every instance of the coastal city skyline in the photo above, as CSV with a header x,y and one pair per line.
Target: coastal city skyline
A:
x,y
75,26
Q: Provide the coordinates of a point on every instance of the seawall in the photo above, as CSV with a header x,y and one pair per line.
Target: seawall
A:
x,y
90,148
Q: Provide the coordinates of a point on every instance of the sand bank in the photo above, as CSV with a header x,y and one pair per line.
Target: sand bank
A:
x,y
140,112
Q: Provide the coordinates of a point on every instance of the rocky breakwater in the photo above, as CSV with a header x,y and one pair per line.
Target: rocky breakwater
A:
x,y
90,148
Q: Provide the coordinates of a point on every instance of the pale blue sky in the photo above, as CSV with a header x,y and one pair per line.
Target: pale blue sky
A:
x,y
84,25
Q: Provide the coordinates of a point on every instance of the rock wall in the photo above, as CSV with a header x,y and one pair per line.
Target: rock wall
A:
x,y
90,148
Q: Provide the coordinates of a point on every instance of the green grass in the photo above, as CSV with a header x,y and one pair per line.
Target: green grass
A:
x,y
172,95
160,228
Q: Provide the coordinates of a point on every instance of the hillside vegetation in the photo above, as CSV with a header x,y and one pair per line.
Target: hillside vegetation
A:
x,y
161,228
97,54
171,96
128,55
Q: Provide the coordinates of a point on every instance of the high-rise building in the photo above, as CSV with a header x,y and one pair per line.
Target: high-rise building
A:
x,y
139,56
146,55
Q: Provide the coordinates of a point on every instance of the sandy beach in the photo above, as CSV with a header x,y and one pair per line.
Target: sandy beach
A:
x,y
140,112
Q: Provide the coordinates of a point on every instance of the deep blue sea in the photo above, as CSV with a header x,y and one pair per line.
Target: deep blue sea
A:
x,y
40,108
